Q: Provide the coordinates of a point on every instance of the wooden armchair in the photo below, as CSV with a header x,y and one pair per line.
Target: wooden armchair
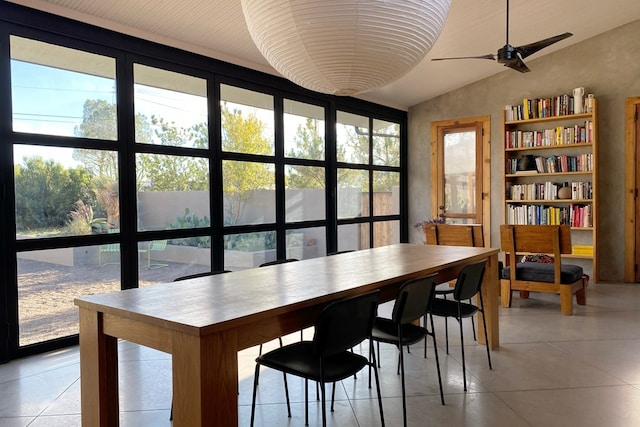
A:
x,y
454,234
558,278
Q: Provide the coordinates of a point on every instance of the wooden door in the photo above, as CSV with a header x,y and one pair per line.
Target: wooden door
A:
x,y
460,171
632,184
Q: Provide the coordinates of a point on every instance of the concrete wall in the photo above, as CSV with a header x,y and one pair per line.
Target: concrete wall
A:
x,y
607,65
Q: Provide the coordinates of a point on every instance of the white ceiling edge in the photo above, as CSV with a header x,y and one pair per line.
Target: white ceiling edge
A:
x,y
141,34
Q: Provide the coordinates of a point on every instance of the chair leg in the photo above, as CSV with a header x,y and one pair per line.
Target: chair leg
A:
x,y
446,332
286,393
435,351
581,294
424,323
473,324
566,300
255,389
505,293
464,367
324,409
375,372
333,395
401,362
484,324
486,340
306,401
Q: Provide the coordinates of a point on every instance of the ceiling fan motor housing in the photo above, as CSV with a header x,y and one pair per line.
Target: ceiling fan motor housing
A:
x,y
506,53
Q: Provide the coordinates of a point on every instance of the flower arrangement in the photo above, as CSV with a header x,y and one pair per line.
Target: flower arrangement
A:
x,y
420,225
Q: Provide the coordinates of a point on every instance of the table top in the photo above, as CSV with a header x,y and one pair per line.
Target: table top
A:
x,y
213,303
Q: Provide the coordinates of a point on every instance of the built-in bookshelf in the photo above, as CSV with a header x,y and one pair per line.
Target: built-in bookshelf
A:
x,y
550,169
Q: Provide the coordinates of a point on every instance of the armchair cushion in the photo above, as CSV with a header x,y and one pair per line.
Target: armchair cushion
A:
x,y
542,272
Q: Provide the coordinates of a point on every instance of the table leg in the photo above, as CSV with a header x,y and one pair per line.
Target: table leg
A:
x,y
205,380
98,372
489,291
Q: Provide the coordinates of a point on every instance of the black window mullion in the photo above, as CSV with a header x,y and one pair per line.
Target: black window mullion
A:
x,y
281,238
216,196
127,173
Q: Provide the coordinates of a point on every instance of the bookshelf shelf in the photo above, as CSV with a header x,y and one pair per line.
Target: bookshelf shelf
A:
x,y
534,173
551,147
553,201
557,150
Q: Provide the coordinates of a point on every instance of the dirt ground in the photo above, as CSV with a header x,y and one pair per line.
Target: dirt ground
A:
x,y
46,292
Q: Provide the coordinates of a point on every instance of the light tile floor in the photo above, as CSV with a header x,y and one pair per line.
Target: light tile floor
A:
x,y
551,370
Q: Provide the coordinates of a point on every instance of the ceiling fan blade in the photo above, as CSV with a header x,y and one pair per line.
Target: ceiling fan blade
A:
x,y
531,48
487,56
516,64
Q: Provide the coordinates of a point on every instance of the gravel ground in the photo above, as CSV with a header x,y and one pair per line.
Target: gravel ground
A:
x,y
46,292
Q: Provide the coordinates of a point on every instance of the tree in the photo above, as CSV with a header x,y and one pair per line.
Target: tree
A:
x,y
99,121
46,192
159,172
310,144
244,135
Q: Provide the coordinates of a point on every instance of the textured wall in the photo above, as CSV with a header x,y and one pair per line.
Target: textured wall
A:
x,y
607,65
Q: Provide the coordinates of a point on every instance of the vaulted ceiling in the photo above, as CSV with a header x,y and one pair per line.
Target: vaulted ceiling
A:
x,y
217,28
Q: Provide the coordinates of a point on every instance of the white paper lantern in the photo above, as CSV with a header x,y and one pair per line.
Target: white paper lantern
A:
x,y
344,47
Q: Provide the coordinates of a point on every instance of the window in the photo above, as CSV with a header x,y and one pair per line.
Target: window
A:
x,y
247,121
170,108
125,175
75,91
368,180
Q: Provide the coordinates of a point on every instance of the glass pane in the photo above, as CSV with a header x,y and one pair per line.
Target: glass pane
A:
x,y
305,193
353,237
306,243
386,193
171,108
249,192
386,143
460,172
353,193
303,130
163,261
75,91
386,233
173,192
49,280
65,191
247,121
249,250
352,138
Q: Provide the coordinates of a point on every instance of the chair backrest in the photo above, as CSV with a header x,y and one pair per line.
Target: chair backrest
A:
x,y
469,281
414,298
454,234
341,252
278,261
158,245
196,275
345,323
547,239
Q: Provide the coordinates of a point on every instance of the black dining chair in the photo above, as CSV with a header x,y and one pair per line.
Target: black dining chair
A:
x,y
203,274
341,325
412,302
467,286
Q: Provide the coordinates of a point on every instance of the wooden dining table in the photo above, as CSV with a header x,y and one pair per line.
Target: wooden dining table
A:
x,y
204,322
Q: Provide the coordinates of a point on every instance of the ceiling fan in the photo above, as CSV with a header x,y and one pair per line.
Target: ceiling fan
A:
x,y
511,56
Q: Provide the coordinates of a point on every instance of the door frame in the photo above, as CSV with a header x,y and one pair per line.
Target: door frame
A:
x,y
483,158
631,184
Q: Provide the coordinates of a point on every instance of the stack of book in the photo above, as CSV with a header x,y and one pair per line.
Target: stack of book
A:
x,y
533,108
582,250
559,135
